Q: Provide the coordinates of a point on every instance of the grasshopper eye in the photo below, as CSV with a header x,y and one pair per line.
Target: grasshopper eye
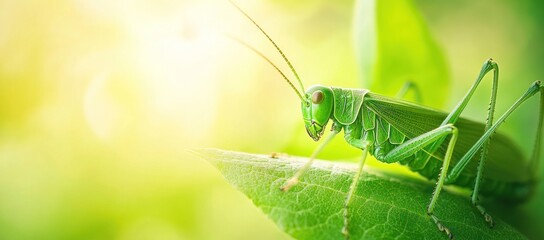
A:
x,y
317,97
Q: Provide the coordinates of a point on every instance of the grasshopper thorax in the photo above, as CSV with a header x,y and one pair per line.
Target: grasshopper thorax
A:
x,y
317,108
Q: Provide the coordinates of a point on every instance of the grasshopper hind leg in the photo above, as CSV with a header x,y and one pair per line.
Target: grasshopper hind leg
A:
x,y
481,143
536,87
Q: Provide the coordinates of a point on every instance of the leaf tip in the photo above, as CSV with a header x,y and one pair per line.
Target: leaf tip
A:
x,y
209,154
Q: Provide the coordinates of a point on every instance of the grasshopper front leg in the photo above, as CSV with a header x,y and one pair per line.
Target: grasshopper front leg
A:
x,y
335,129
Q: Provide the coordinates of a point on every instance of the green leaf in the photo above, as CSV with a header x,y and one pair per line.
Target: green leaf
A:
x,y
393,45
385,206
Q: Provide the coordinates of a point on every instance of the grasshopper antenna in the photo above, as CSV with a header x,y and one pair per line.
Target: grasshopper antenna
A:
x,y
269,61
273,43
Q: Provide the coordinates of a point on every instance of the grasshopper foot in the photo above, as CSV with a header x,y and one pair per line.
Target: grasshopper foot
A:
x,y
345,232
441,226
291,182
277,155
489,220
487,217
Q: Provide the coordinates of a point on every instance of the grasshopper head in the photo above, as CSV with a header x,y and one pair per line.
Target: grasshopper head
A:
x,y
317,109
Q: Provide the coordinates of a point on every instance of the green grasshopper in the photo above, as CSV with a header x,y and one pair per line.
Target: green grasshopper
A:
x,y
425,140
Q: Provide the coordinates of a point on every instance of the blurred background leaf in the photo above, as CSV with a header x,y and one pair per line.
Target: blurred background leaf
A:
x,y
393,46
100,99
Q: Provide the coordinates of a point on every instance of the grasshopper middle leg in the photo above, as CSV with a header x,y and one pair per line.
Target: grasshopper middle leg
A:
x,y
417,144
352,188
410,86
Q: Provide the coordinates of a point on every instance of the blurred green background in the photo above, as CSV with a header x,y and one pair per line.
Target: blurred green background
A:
x,y
100,100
